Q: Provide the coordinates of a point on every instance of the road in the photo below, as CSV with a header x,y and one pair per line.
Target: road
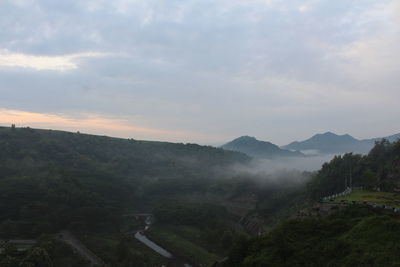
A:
x,y
70,239
139,235
142,238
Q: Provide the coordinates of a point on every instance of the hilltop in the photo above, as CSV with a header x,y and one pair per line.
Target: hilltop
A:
x,y
202,204
259,149
52,181
331,143
345,234
55,180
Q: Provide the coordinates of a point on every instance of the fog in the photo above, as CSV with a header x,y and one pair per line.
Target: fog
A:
x,y
309,163
286,172
271,166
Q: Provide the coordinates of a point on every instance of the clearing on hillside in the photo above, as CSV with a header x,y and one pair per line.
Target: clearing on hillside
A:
x,y
384,198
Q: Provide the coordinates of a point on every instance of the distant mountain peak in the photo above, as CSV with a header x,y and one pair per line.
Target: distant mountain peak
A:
x,y
321,143
323,135
245,138
331,143
330,135
256,148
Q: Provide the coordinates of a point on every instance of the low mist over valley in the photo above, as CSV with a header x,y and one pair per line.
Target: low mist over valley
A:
x,y
132,193
201,133
308,155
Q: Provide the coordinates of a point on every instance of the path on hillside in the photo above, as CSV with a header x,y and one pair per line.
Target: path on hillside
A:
x,y
142,238
70,239
332,199
140,235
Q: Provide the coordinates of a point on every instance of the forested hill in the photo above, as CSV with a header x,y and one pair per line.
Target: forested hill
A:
x,y
52,179
351,235
378,170
331,143
91,185
259,149
124,157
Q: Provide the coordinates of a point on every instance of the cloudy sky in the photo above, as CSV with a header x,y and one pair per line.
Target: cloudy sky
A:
x,y
202,71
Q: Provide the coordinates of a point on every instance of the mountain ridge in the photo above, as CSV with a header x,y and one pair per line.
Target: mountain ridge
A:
x,y
329,143
259,149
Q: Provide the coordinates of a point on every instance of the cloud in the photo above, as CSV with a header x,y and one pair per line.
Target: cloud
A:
x,y
88,123
279,70
57,63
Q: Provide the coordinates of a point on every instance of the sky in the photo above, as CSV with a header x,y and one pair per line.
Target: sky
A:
x,y
202,71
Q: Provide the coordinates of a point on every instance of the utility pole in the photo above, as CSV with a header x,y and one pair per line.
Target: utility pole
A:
x,y
351,178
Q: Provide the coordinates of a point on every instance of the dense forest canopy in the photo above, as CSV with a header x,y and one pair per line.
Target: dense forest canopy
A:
x,y
355,236
351,236
378,170
206,201
53,179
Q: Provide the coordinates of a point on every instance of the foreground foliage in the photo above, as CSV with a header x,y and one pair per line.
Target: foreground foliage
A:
x,y
355,236
53,180
384,198
50,180
378,171
48,252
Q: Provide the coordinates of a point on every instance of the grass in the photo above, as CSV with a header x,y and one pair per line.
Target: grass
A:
x,y
176,240
104,244
385,198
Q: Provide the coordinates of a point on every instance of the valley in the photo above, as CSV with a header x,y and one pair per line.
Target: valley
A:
x,y
124,202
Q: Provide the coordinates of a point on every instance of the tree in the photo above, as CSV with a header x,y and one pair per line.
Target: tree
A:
x,y
37,257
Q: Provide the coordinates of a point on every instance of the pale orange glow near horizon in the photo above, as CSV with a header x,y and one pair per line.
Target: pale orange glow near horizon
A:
x,y
57,63
90,123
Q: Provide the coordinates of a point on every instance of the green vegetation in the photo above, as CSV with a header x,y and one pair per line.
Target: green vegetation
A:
x,y
385,198
121,250
48,252
377,171
54,180
260,149
352,236
203,208
199,233
355,236
181,243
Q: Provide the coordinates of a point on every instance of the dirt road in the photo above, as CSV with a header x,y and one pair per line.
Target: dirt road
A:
x,y
70,239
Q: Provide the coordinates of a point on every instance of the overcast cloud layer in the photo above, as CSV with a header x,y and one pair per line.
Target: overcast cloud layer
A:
x,y
202,70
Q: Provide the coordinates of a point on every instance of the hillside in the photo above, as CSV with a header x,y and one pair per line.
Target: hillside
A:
x,y
259,149
53,180
354,236
378,170
330,143
350,234
204,209
74,169
390,138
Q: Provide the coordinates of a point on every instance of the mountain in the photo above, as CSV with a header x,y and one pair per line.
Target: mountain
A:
x,y
94,185
53,180
390,138
259,149
331,143
347,234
